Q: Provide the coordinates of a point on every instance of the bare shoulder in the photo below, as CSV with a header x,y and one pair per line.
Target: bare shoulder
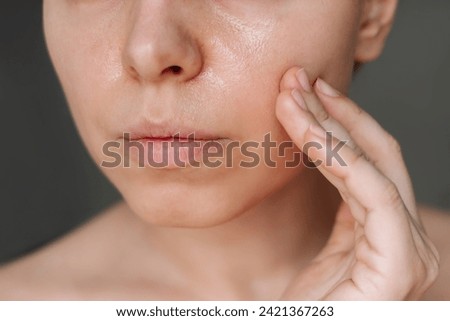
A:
x,y
437,225
56,270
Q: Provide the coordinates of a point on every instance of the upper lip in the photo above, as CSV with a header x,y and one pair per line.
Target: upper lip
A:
x,y
165,130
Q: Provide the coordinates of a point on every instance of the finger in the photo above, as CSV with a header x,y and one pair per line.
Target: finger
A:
x,y
356,176
292,112
385,210
289,80
378,145
297,78
352,173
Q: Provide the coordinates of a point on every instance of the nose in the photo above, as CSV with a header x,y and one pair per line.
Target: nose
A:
x,y
159,47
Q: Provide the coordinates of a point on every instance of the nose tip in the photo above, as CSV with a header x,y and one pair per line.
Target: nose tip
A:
x,y
159,47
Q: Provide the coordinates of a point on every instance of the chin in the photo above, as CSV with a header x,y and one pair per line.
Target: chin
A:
x,y
198,197
181,208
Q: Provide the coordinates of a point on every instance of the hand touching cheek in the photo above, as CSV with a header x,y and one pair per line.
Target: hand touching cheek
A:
x,y
378,249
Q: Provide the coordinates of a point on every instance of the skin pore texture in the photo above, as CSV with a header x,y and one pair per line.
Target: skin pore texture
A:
x,y
206,233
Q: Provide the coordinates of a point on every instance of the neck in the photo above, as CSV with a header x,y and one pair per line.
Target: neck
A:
x,y
253,255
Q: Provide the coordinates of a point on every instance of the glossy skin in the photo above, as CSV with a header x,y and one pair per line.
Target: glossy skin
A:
x,y
265,230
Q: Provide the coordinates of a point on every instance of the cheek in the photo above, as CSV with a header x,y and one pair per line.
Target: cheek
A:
x,y
252,69
88,64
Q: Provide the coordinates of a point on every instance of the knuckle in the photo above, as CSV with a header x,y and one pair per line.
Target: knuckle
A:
x,y
352,145
392,196
321,115
284,97
283,103
359,158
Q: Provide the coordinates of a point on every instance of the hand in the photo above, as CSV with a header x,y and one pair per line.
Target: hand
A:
x,y
378,248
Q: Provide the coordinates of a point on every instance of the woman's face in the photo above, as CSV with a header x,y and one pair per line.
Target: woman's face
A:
x,y
210,66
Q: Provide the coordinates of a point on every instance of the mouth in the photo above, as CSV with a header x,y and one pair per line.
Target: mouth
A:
x,y
175,138
173,145
165,131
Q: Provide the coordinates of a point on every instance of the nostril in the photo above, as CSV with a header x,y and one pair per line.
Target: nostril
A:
x,y
176,70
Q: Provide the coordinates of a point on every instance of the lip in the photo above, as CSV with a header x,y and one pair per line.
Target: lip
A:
x,y
161,131
156,141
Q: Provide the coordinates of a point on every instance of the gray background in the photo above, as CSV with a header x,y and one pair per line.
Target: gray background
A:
x,y
49,184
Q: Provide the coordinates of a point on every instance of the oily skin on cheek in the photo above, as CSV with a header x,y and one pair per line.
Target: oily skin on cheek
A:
x,y
254,83
233,61
87,58
325,35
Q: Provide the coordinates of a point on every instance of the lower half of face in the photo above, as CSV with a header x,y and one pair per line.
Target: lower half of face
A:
x,y
114,61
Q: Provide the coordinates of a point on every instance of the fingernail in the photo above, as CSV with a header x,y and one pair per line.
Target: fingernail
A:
x,y
326,89
299,99
318,131
303,80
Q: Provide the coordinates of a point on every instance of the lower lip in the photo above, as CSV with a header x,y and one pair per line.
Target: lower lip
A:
x,y
170,153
